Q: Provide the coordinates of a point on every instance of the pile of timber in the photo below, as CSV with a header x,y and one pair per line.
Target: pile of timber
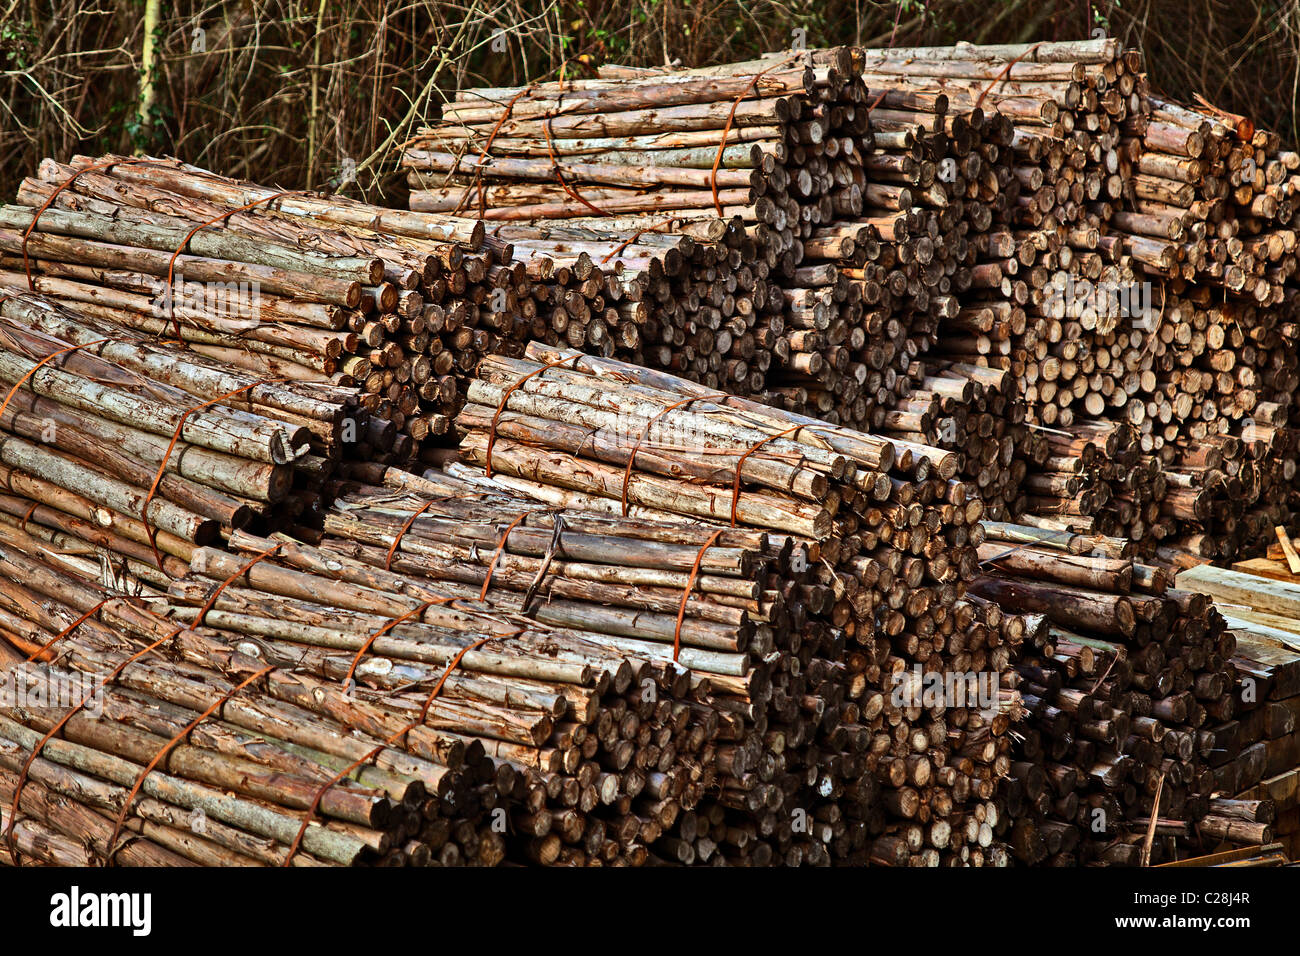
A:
x,y
863,219
503,665
842,275
417,680
1260,760
976,412
939,168
1033,209
894,428
1211,201
1220,198
284,285
932,184
632,297
1064,102
695,629
568,682
863,758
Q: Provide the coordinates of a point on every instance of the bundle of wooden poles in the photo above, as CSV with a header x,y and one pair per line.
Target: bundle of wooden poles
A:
x,y
1260,757
876,769
794,131
767,151
416,679
117,440
128,737
547,681
1132,700
704,624
863,218
285,285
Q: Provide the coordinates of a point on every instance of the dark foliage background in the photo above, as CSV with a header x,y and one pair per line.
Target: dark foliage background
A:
x,y
290,92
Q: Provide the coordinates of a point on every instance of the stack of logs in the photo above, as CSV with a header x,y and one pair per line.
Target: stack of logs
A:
x,y
847,541
691,628
554,681
864,217
418,680
1154,321
769,150
1259,757
126,737
1218,197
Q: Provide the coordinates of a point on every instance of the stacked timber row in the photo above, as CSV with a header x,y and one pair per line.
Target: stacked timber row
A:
x,y
1032,209
171,746
416,679
283,285
1059,155
1212,202
779,715
1066,102
568,684
602,296
693,637
501,679
134,444
1026,180
1148,310
772,148
1132,700
882,275
867,259
937,178
860,756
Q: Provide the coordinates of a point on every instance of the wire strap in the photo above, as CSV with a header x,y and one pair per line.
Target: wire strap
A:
x,y
1003,73
631,459
492,432
487,148
731,118
212,600
406,616
735,483
94,167
686,594
496,555
171,263
44,648
162,467
112,847
37,367
31,758
310,816
655,227
392,548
